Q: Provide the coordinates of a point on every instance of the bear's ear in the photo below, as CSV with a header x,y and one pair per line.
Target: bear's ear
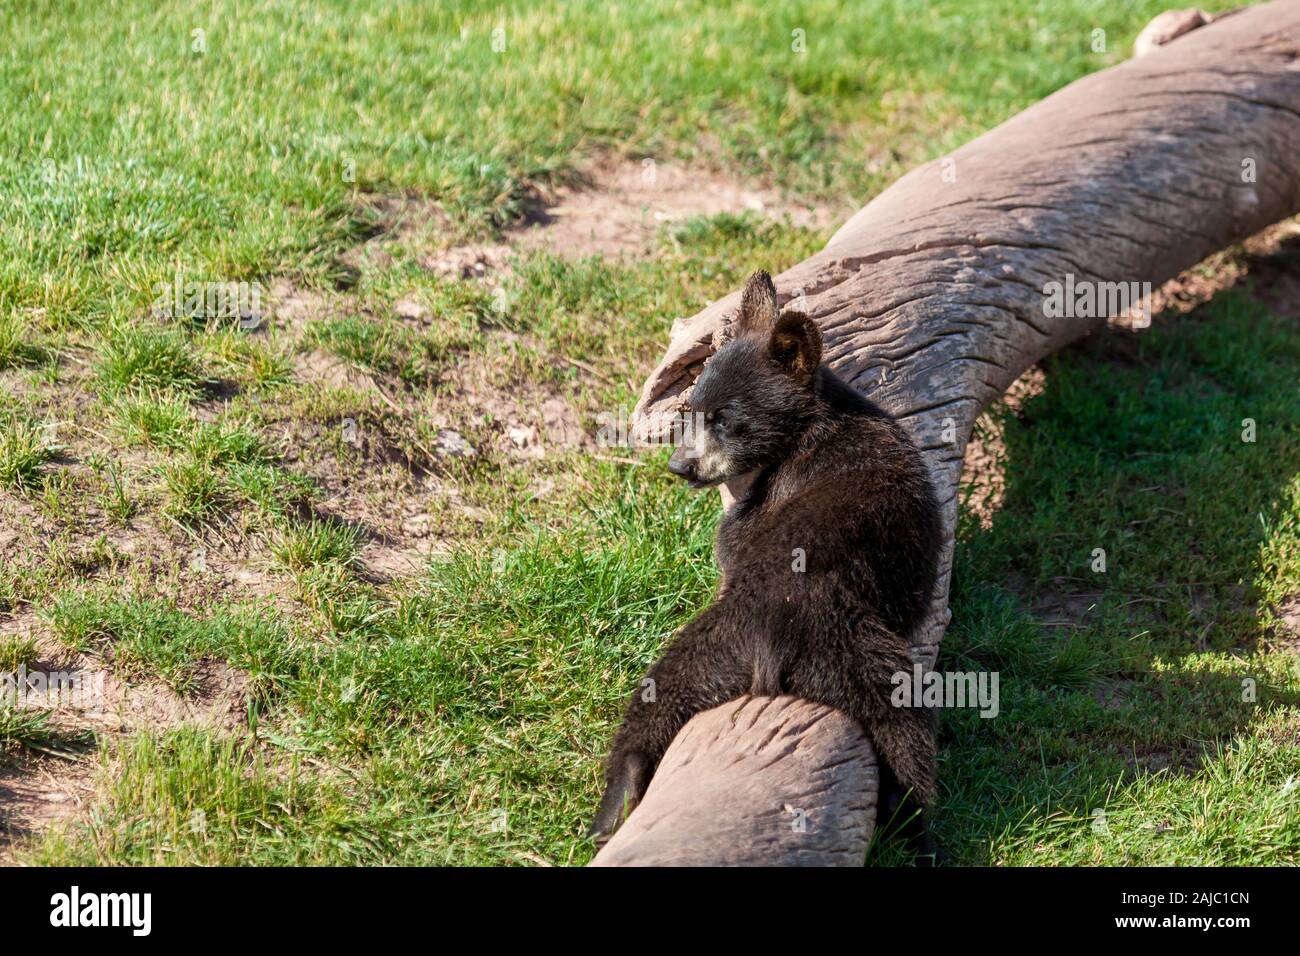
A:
x,y
796,345
757,304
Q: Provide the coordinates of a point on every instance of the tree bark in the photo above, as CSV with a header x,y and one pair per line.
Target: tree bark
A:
x,y
932,298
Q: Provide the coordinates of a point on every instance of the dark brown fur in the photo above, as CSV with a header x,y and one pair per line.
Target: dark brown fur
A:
x,y
838,481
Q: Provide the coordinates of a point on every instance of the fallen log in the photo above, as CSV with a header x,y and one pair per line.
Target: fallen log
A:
x,y
938,294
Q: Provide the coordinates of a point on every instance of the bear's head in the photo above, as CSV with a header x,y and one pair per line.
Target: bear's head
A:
x,y
756,395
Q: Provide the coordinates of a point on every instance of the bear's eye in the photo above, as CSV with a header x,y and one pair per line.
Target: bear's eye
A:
x,y
720,419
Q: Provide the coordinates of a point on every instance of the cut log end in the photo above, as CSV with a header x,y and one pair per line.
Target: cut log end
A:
x,y
771,781
1166,27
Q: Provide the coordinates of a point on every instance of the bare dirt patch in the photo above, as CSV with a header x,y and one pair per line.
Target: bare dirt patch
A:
x,y
515,415
1067,609
216,696
621,205
42,791
615,208
319,369
1113,694
487,411
408,557
1286,631
293,306
38,794
983,476
216,700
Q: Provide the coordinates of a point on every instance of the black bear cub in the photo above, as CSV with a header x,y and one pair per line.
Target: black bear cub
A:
x,y
828,558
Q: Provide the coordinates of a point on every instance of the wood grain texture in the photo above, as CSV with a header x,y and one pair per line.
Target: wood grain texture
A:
x,y
931,301
760,780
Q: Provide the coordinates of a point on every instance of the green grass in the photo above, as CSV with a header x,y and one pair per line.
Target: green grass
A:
x,y
159,419
457,714
195,493
382,347
247,362
153,638
140,358
22,728
17,347
197,798
215,468
15,652
314,544
24,449
1141,708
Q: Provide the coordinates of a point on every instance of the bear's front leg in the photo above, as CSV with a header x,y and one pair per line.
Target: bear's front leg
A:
x,y
627,775
697,672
